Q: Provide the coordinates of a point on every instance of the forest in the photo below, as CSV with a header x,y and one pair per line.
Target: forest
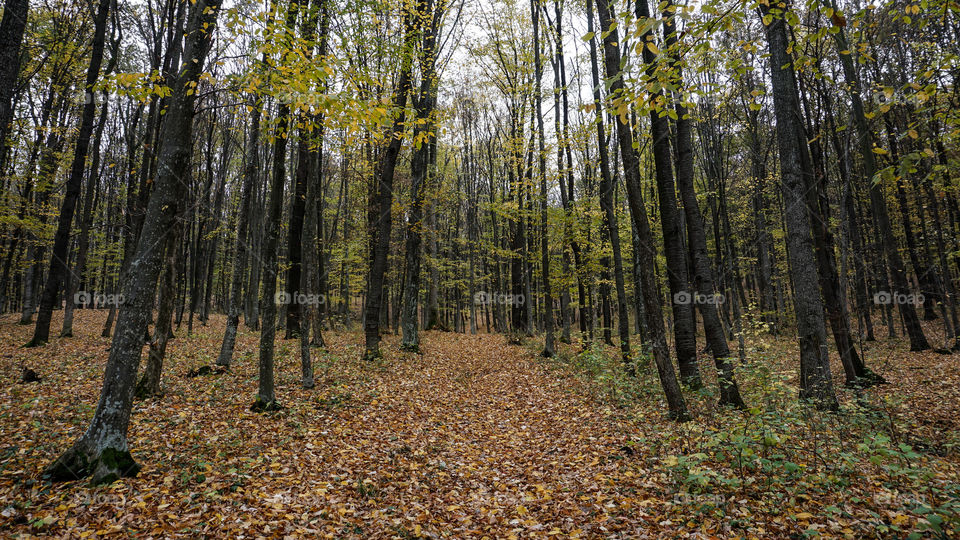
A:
x,y
480,268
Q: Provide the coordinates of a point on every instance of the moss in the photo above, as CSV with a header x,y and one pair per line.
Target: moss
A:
x,y
113,464
259,405
108,478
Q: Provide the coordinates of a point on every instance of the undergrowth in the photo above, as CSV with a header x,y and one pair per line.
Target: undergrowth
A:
x,y
779,453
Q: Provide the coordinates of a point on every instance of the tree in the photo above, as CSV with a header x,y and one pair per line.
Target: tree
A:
x,y
240,243
266,399
606,197
11,37
58,258
548,346
102,451
684,331
423,133
631,170
696,236
816,382
383,195
878,204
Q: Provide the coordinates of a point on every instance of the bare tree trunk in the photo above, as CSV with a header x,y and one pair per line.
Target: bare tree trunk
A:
x,y
631,167
816,382
149,384
102,451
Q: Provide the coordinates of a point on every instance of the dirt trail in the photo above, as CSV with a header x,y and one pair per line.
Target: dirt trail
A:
x,y
493,443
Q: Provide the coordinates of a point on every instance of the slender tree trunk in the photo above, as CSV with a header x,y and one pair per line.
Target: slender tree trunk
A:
x,y
548,345
11,37
685,338
424,104
149,384
606,197
61,242
381,203
878,205
240,244
631,167
73,280
696,236
816,382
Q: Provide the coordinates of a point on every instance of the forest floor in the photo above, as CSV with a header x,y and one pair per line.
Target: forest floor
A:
x,y
479,438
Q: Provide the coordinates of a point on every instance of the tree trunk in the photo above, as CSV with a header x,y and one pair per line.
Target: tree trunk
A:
x,y
653,310
61,242
383,199
11,38
149,384
816,383
102,451
548,346
424,104
696,235
240,244
685,337
878,205
606,198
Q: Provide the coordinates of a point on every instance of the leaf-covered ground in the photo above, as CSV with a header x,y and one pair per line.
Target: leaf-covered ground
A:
x,y
478,438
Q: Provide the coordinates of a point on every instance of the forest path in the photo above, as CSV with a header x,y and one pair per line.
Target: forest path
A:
x,y
489,441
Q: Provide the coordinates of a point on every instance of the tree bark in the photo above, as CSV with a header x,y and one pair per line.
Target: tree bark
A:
x,y
548,345
102,451
816,383
653,310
